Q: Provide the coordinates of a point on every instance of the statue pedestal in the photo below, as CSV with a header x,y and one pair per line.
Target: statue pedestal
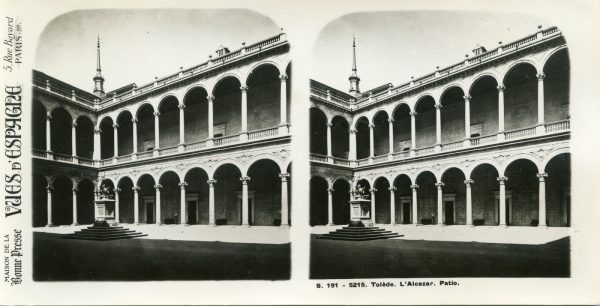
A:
x,y
360,213
105,210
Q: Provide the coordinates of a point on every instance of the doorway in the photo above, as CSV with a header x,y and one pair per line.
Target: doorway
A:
x,y
449,212
149,212
192,212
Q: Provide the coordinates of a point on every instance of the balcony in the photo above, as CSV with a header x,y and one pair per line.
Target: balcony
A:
x,y
523,133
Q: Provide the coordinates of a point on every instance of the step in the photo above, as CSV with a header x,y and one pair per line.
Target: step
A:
x,y
103,238
360,234
103,232
379,230
102,235
104,228
355,235
380,237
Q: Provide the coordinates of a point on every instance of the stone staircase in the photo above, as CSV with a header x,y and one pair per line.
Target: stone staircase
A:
x,y
104,233
352,233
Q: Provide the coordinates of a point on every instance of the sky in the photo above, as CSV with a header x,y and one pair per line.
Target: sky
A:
x,y
137,45
393,46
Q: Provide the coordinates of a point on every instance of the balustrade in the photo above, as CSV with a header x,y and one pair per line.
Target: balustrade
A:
x,y
226,140
483,140
264,133
520,133
558,126
452,145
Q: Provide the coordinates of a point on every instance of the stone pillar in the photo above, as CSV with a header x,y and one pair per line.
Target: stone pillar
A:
x,y
540,106
210,100
74,140
329,156
373,190
211,201
97,145
413,133
392,190
156,133
414,215
182,204
244,129
75,206
48,136
115,141
467,119
371,142
330,206
391,137
284,199
438,127
245,180
469,202
502,200
135,142
181,146
283,99
501,111
157,203
352,153
117,204
49,189
136,204
440,203
542,199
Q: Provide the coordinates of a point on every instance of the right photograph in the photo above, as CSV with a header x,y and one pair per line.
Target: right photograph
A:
x,y
440,147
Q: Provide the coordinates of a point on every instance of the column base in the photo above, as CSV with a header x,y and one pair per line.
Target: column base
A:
x,y
390,156
370,160
49,155
437,148
181,147
284,226
75,160
467,142
51,225
210,143
155,153
74,224
412,153
500,136
329,159
114,160
134,156
283,128
244,136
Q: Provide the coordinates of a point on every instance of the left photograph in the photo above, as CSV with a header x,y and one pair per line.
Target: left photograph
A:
x,y
161,147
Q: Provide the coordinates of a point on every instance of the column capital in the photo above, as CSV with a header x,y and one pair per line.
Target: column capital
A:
x,y
97,131
245,179
135,188
182,185
283,77
469,182
372,190
390,120
74,123
211,182
502,179
75,190
439,185
392,188
330,190
412,114
540,76
116,126
117,190
158,186
501,87
134,120
48,116
371,125
414,186
542,176
438,106
181,106
284,176
156,113
467,98
49,189
329,124
353,131
210,98
244,88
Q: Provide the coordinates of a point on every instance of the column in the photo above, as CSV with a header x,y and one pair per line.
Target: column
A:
x,y
115,141
74,140
211,201
501,111
542,198
373,190
48,136
329,156
330,206
135,144
156,133
75,207
440,203
157,203
467,120
502,200
117,201
540,106
181,146
469,202
136,204
182,204
285,214
210,100
371,142
413,133
245,180
392,190
49,189
391,138
97,146
244,129
352,153
283,99
438,127
414,214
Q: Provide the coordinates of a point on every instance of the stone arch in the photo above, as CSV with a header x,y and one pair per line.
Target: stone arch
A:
x,y
227,191
485,193
480,76
427,212
507,69
220,163
264,192
515,157
224,76
263,97
469,170
197,193
403,199
265,62
382,200
318,131
553,154
523,187
264,156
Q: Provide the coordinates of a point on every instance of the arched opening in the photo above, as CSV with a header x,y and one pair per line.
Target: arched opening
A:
x,y
341,202
558,190
363,136
485,195
264,95
168,122
340,137
196,196
402,133
403,199
427,198
318,201
125,133
264,193
39,200
520,97
228,200
60,129
452,115
289,193
85,202
381,134
318,132
170,198
288,72
484,107
557,87
522,193
425,122
147,199
85,137
62,201
382,201
227,107
38,126
107,138
196,115
126,201
454,197
145,129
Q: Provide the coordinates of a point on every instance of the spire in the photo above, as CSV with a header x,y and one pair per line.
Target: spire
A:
x,y
354,79
98,79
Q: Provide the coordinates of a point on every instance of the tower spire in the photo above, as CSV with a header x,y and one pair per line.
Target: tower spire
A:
x,y
98,78
354,79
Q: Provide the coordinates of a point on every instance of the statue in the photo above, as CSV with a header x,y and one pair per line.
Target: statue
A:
x,y
105,192
360,192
